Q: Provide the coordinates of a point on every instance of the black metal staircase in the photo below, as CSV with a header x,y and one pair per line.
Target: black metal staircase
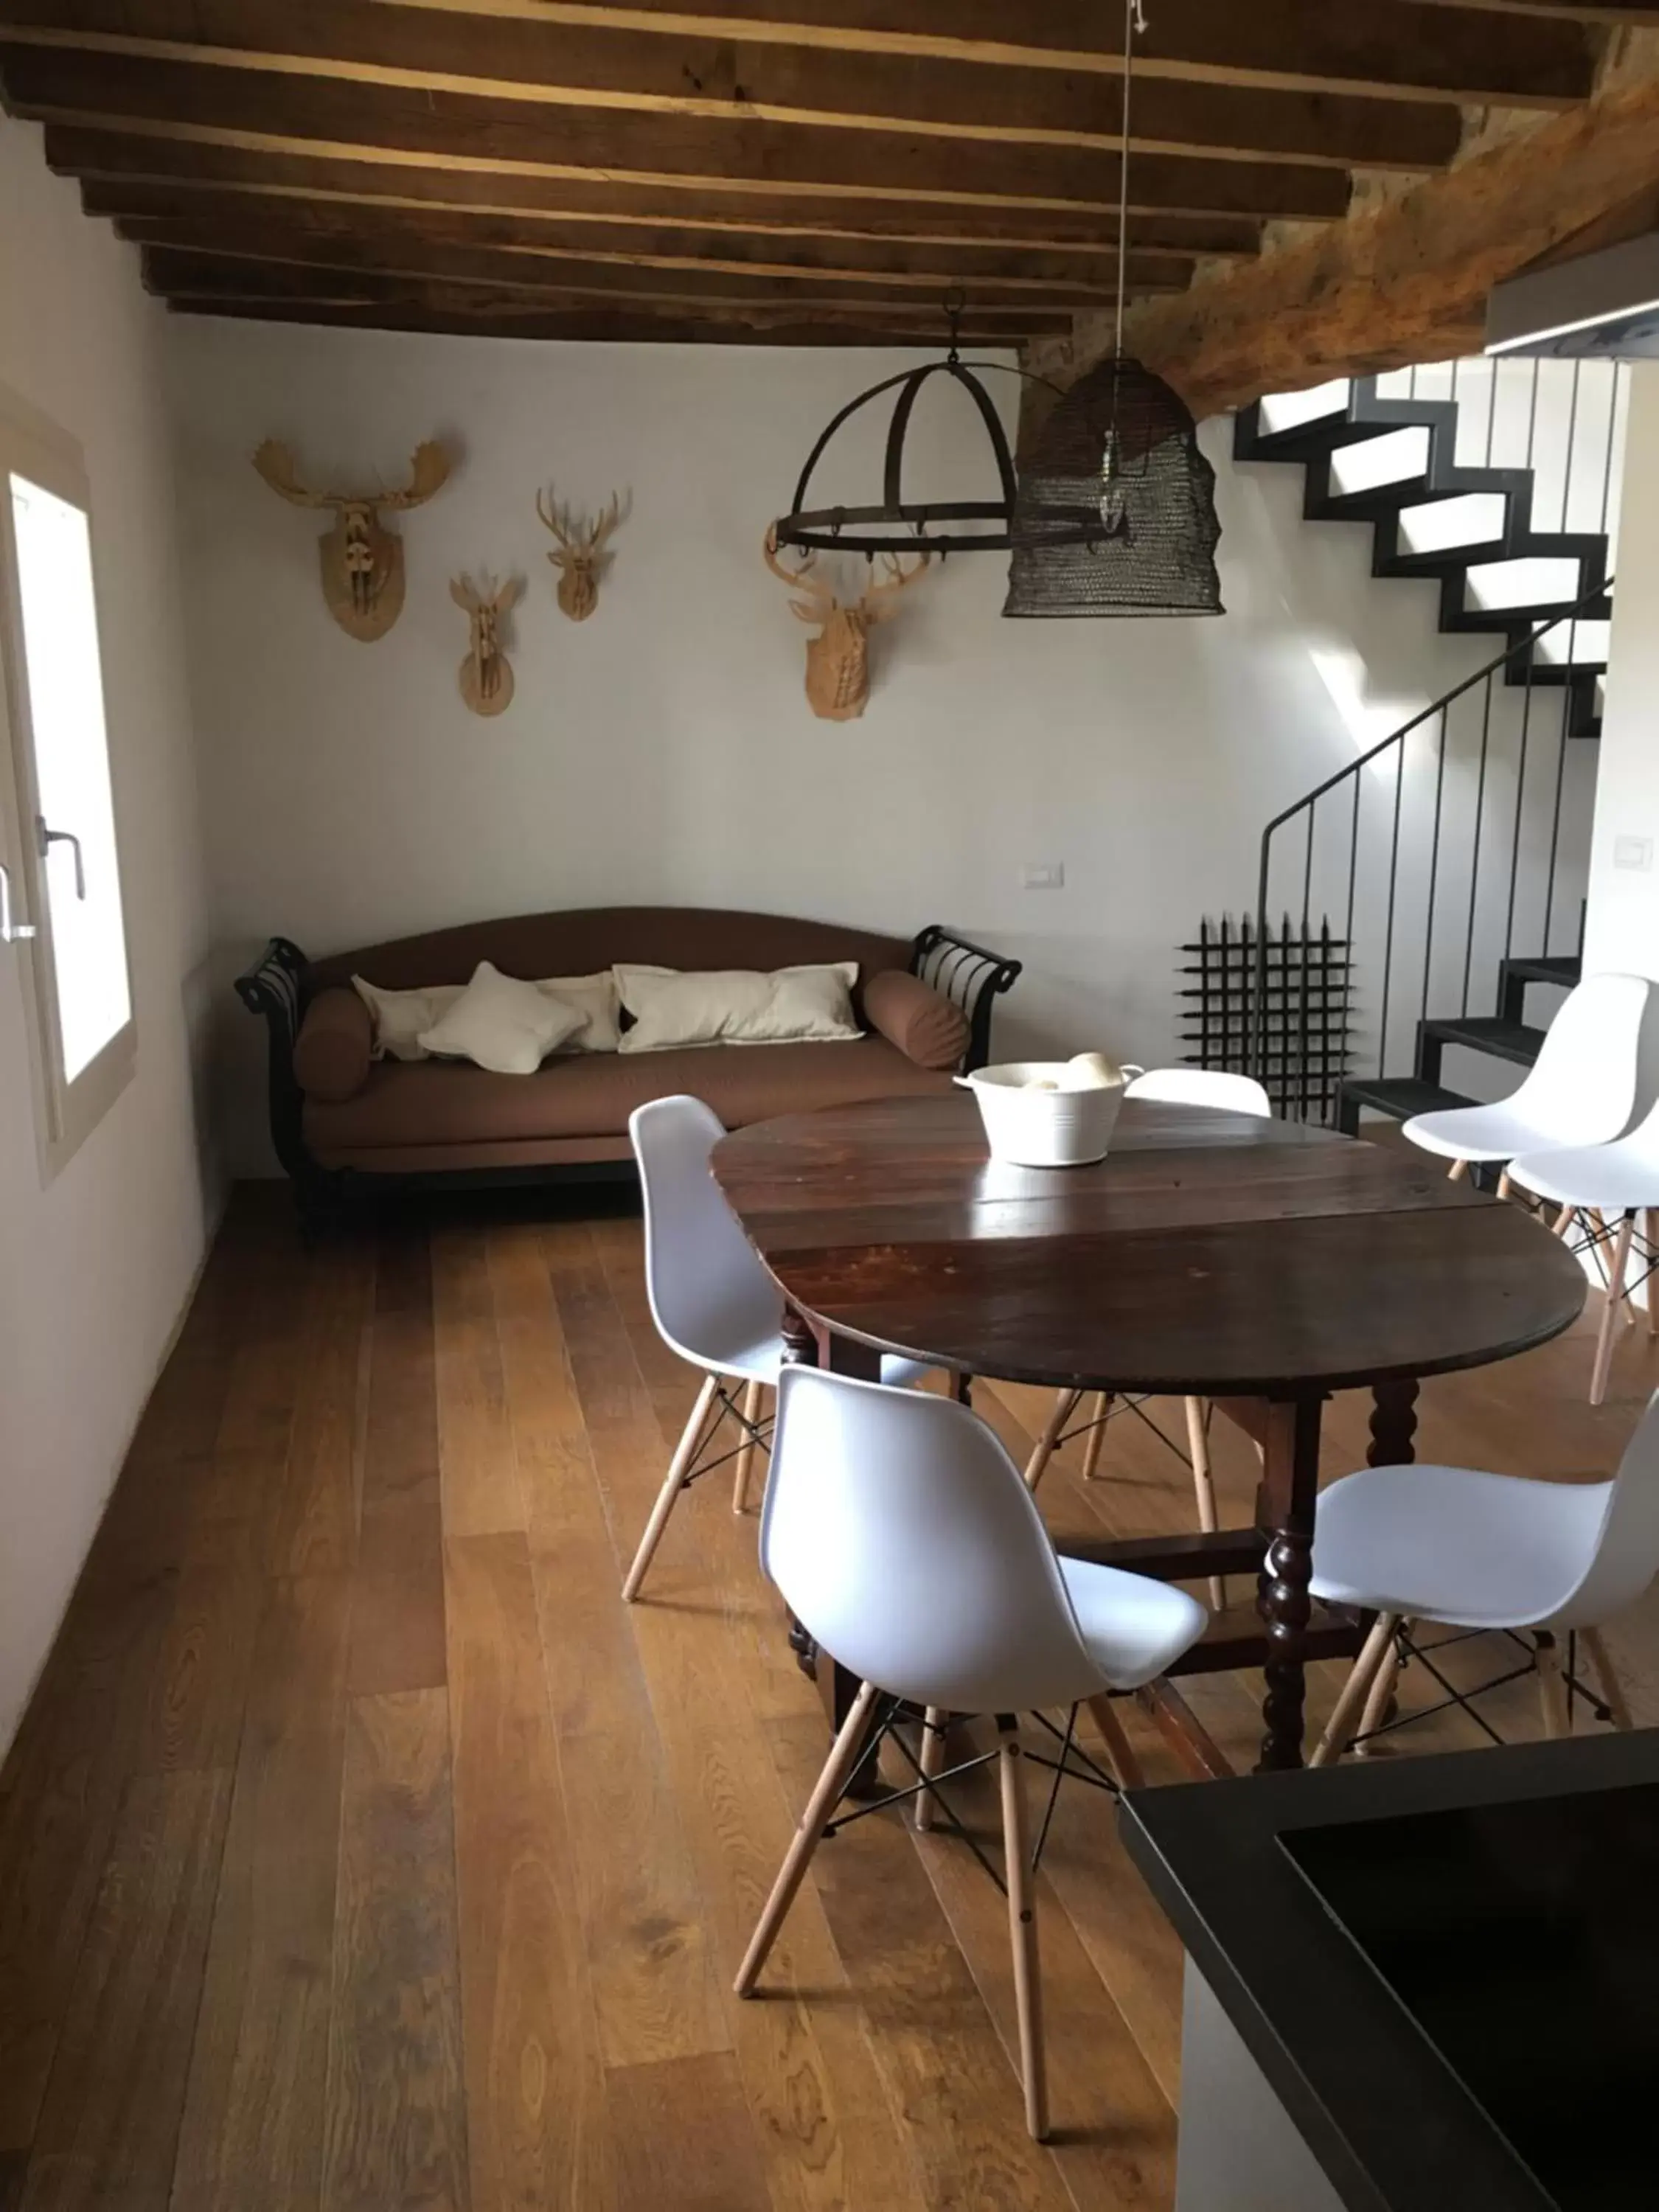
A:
x,y
1449,852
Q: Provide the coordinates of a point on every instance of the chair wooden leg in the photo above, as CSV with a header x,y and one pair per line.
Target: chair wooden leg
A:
x,y
1022,1931
1065,1404
1564,1220
1504,1184
1198,1447
1611,1689
931,1761
1552,1686
1610,1313
1096,1436
1381,1691
1126,1767
1376,1650
753,1392
1457,1170
685,1454
844,1756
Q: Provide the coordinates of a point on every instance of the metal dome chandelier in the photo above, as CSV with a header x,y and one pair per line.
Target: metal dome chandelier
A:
x,y
1115,509
896,525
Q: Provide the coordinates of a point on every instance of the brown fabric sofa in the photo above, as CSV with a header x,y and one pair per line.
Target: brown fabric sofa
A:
x,y
338,1113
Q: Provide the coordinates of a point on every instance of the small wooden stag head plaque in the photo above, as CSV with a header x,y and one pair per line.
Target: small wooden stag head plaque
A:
x,y
581,557
486,674
838,658
363,561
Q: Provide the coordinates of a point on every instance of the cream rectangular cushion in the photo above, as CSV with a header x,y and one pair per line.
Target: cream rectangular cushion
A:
x,y
400,1017
738,1005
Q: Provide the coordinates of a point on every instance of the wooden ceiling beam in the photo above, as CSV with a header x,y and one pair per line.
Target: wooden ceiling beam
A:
x,y
111,163
163,214
321,116
177,277
625,326
521,64
1403,282
1386,48
390,249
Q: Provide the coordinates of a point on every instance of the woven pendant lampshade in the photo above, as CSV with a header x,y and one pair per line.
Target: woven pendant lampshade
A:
x,y
1118,454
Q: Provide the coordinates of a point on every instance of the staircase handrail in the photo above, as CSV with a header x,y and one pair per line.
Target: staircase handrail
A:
x,y
1352,768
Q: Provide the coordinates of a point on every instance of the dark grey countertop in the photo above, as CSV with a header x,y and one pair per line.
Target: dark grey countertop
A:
x,y
1381,2107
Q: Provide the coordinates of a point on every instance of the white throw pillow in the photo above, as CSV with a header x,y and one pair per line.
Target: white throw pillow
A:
x,y
503,1024
399,1017
595,999
738,1005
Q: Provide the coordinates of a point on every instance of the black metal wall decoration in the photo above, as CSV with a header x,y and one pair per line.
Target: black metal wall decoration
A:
x,y
1295,1042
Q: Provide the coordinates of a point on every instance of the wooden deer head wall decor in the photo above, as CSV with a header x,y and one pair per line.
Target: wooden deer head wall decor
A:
x,y
363,561
582,556
486,674
838,658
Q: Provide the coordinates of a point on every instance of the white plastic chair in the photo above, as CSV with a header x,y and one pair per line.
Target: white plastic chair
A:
x,y
1180,1086
1600,1182
712,1300
1465,1549
1579,1090
902,1537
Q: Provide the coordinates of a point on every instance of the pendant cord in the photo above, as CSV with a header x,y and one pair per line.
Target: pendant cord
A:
x,y
1135,19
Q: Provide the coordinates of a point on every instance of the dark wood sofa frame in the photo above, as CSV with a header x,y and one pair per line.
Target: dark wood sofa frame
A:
x,y
277,986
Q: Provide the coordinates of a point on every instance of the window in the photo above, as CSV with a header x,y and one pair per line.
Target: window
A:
x,y
59,834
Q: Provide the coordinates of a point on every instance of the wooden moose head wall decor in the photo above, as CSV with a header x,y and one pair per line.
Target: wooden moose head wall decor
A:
x,y
582,556
363,561
486,674
838,658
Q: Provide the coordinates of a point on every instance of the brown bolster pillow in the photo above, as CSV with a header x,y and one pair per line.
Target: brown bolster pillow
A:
x,y
925,1026
333,1050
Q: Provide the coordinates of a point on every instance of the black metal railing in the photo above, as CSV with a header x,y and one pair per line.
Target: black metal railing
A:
x,y
1440,850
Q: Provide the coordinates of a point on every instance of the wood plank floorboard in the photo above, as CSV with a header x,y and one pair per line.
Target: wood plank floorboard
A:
x,y
362,1851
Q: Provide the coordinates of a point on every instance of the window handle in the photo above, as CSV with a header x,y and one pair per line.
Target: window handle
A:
x,y
11,933
48,838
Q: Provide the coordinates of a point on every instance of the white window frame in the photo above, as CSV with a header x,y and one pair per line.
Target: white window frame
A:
x,y
66,1113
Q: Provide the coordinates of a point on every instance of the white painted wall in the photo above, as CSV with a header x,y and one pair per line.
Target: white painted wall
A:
x,y
94,1269
1623,927
664,751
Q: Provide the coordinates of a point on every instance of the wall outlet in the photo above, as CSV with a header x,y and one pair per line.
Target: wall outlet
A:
x,y
1043,876
1632,852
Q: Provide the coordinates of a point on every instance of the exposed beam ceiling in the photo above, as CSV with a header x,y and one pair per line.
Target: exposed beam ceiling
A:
x,y
514,158
1405,282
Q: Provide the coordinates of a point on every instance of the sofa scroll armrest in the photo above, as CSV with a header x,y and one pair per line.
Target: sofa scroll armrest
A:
x,y
274,987
970,976
335,1048
926,1027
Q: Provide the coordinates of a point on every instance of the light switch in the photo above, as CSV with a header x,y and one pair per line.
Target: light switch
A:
x,y
1043,876
1632,852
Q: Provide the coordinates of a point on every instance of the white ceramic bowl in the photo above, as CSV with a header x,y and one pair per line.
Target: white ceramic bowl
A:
x,y
1065,1127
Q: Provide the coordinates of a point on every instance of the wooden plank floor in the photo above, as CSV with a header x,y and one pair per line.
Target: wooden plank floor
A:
x,y
361,1851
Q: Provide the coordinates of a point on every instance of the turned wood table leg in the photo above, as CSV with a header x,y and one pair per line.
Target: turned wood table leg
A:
x,y
1394,1425
1285,1513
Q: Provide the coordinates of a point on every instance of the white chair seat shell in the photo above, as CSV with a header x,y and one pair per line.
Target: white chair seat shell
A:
x,y
1483,1133
1134,1628
1613,1178
1456,1545
1579,1090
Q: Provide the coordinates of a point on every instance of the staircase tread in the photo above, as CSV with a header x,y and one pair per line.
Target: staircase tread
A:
x,y
1516,1040
1402,1096
1545,967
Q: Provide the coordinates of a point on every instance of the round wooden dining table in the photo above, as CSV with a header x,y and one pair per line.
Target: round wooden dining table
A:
x,y
1260,1264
